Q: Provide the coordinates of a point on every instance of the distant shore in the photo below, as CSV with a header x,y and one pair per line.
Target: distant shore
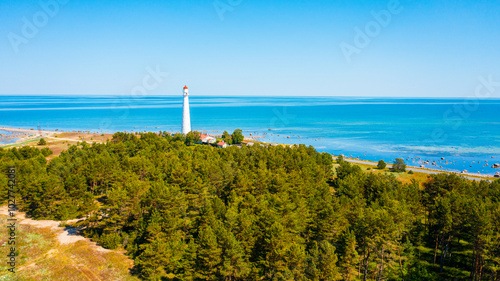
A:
x,y
23,135
470,176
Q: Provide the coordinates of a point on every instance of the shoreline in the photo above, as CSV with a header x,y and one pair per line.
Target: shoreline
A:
x,y
26,135
470,176
34,134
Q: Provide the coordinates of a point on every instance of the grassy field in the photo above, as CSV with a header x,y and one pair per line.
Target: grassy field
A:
x,y
403,177
30,142
370,164
62,141
42,257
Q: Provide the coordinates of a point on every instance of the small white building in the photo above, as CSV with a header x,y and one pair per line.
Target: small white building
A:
x,y
222,144
209,140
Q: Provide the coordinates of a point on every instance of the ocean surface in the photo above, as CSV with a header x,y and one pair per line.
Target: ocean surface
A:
x,y
6,137
465,132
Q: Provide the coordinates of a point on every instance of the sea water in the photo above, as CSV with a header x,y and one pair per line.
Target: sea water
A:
x,y
6,137
464,132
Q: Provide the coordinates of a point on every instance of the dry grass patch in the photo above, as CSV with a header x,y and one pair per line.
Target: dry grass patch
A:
x,y
84,136
42,257
402,177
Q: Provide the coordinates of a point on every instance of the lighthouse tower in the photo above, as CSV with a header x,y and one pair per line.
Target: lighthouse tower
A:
x,y
186,117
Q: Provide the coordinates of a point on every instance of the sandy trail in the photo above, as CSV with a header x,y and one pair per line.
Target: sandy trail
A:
x,y
65,235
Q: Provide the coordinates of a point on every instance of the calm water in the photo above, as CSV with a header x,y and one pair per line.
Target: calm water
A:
x,y
461,131
5,139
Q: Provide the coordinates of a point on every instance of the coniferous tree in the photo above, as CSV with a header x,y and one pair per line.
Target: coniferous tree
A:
x,y
252,213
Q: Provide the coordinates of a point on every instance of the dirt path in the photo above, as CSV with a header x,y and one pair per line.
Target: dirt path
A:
x,y
66,235
72,252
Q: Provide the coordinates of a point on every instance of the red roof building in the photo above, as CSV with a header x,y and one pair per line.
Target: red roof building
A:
x,y
222,144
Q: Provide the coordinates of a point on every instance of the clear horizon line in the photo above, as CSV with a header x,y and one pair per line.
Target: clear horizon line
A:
x,y
250,95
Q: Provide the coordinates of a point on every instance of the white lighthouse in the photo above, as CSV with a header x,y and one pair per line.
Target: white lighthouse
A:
x,y
186,117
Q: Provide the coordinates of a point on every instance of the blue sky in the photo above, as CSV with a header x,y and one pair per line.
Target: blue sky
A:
x,y
278,48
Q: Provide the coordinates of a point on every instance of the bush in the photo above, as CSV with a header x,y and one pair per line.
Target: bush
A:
x,y
399,166
381,164
345,169
111,241
237,136
410,172
340,159
46,151
227,138
192,137
42,142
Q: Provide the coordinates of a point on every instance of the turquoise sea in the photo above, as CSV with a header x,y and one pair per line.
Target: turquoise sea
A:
x,y
6,137
465,132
